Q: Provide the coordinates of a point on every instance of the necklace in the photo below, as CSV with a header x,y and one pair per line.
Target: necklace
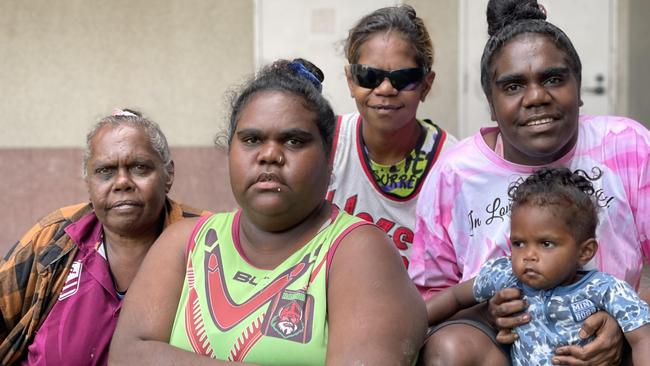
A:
x,y
120,294
403,178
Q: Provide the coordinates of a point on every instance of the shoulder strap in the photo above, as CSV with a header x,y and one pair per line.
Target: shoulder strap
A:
x,y
191,241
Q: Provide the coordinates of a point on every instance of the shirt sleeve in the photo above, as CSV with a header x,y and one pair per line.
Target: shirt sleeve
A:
x,y
625,305
17,271
628,149
642,214
495,274
434,264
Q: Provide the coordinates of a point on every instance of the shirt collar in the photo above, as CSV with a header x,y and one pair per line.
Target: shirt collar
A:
x,y
86,231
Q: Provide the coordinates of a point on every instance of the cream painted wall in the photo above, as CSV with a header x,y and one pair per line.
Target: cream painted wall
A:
x,y
441,19
639,59
65,64
315,30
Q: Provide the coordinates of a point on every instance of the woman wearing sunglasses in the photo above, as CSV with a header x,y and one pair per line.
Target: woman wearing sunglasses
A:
x,y
382,152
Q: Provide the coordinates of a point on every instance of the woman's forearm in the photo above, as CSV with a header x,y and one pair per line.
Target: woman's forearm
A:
x,y
156,353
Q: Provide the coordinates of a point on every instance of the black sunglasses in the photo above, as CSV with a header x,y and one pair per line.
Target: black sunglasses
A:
x,y
402,79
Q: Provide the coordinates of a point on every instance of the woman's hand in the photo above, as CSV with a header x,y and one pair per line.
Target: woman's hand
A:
x,y
502,308
605,349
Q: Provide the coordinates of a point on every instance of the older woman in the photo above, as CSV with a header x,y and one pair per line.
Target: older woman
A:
x,y
63,283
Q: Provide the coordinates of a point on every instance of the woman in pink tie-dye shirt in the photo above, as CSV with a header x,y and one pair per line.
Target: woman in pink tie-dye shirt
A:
x,y
530,73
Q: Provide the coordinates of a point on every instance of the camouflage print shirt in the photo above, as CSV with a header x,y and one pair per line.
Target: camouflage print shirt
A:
x,y
33,272
557,314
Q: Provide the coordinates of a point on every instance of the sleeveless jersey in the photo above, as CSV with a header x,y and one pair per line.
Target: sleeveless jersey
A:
x,y
353,188
234,311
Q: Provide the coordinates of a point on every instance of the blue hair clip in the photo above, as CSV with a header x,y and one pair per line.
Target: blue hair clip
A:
x,y
302,71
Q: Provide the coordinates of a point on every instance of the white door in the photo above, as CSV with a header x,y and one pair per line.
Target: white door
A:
x,y
588,23
314,30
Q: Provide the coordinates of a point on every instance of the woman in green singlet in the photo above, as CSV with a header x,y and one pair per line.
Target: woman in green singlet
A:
x,y
288,279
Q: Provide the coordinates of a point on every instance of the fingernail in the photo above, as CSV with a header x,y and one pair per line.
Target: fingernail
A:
x,y
583,334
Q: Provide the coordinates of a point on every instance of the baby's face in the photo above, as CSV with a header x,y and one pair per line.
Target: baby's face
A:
x,y
545,253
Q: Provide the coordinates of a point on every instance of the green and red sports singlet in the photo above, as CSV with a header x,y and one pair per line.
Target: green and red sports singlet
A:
x,y
232,310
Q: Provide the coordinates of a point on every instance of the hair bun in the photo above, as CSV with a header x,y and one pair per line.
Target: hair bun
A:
x,y
500,13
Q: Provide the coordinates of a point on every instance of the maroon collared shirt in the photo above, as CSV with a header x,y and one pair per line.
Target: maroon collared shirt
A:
x,y
79,328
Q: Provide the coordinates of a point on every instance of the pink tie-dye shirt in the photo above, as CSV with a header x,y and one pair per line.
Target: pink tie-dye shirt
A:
x,y
462,215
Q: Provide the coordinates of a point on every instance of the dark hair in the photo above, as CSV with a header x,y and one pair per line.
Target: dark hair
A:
x,y
298,77
571,192
402,19
510,18
134,118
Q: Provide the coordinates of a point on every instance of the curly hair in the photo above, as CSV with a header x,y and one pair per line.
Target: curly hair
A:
x,y
298,77
570,193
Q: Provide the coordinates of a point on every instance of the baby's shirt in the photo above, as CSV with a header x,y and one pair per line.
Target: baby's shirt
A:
x,y
557,314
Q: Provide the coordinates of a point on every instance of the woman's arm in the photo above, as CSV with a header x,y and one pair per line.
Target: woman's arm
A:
x,y
645,294
375,314
149,309
639,340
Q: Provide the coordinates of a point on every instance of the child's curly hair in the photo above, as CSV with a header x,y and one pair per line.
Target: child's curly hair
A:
x,y
571,193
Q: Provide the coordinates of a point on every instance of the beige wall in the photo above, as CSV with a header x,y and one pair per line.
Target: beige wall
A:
x,y
37,181
638,62
168,59
65,64
441,18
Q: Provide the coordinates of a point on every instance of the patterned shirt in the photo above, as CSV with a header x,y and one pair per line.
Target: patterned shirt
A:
x,y
34,271
354,189
404,177
232,310
463,212
557,314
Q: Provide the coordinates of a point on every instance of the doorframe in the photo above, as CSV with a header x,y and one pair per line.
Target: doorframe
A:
x,y
615,56
463,126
